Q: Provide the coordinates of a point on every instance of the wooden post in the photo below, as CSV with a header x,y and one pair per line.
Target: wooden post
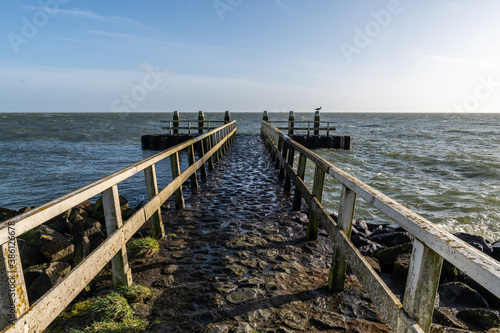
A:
x,y
122,276
176,171
13,295
265,117
208,143
214,143
157,230
316,123
336,277
288,181
422,284
227,117
201,122
176,122
313,225
284,153
194,180
291,125
301,170
201,153
280,149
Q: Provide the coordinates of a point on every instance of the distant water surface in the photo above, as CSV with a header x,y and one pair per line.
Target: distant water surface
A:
x,y
445,167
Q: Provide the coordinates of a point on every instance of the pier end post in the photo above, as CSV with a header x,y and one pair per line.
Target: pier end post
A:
x,y
265,117
227,117
176,122
316,122
291,125
201,122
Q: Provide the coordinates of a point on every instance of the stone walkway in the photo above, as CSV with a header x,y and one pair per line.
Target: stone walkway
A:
x,y
236,260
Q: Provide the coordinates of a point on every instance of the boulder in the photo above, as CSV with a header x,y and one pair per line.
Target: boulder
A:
x,y
54,245
388,256
455,294
361,227
402,238
478,242
370,249
30,255
84,226
87,206
82,249
374,225
6,214
496,251
400,269
443,316
39,279
483,319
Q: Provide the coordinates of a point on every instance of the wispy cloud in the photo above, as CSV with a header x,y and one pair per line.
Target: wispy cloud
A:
x,y
108,34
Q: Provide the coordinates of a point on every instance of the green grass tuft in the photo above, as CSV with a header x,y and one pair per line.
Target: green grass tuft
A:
x,y
135,293
112,307
144,247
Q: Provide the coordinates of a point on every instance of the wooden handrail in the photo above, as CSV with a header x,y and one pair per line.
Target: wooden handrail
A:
x,y
431,245
39,315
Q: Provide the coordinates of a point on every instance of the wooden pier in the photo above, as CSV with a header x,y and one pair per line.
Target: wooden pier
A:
x,y
412,313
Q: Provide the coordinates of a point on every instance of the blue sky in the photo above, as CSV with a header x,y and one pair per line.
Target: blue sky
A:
x,y
249,55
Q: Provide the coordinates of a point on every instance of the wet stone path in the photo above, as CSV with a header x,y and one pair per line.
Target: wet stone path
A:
x,y
236,260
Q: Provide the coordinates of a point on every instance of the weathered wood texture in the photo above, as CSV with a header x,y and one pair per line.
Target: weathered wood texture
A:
x,y
432,244
38,316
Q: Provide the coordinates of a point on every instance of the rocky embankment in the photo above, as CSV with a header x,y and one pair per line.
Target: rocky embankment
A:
x,y
236,260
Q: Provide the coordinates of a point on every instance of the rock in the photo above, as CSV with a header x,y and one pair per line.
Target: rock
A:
x,y
394,227
60,224
217,328
236,270
95,242
360,239
361,227
446,317
6,214
242,295
374,264
496,251
479,318
30,256
243,328
87,206
327,320
294,319
54,245
86,226
371,249
39,279
373,225
400,269
402,238
365,326
385,238
478,242
388,256
457,293
82,249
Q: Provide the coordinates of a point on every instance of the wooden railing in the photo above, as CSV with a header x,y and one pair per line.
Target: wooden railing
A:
x,y
431,244
16,314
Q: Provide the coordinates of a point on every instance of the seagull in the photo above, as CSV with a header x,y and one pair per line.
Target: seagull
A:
x,y
317,109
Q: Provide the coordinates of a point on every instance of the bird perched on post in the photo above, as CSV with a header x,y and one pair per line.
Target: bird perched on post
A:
x,y
317,109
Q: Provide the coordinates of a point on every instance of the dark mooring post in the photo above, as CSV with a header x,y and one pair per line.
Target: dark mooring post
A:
x,y
291,119
316,123
265,117
227,117
176,122
201,122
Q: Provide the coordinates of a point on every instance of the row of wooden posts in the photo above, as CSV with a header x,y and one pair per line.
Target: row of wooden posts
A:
x,y
16,313
431,244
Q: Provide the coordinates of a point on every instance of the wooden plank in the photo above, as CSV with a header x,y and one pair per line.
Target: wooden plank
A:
x,y
13,295
179,198
157,229
301,169
422,284
288,177
122,275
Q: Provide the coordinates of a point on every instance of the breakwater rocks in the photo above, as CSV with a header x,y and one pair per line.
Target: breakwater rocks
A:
x,y
49,251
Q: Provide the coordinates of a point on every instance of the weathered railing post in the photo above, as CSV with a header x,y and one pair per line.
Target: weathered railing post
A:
x,y
201,153
13,295
176,171
175,122
122,275
422,284
316,123
317,192
284,153
291,125
265,117
208,144
291,156
157,230
191,160
280,149
336,277
201,122
227,117
301,170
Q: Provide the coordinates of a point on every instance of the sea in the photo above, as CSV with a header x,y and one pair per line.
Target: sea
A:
x,y
443,166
